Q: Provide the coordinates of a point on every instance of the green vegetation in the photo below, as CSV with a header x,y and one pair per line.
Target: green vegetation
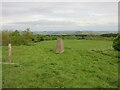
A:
x,y
27,37
84,64
17,38
89,61
116,43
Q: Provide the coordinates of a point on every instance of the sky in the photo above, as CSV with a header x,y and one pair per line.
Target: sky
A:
x,y
60,16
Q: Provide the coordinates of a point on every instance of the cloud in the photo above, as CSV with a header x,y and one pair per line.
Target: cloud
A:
x,y
61,15
51,22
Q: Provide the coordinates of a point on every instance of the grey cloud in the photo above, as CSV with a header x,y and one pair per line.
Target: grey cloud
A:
x,y
46,23
111,27
28,8
90,10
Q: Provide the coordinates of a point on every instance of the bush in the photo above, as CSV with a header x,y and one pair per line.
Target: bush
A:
x,y
5,37
116,43
17,38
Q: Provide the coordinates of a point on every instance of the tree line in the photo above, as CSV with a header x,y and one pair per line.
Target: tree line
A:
x,y
27,37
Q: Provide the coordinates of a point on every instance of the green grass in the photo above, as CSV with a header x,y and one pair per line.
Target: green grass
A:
x,y
0,68
109,52
77,67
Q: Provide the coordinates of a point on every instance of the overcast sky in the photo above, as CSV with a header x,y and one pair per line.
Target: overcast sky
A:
x,y
57,16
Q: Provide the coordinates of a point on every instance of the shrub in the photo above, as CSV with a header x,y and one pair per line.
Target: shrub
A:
x,y
5,37
116,43
17,38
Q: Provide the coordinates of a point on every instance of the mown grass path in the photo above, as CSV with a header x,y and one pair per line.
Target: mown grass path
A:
x,y
77,67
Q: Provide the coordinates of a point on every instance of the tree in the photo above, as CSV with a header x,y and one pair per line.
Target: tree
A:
x,y
116,43
5,38
15,33
29,36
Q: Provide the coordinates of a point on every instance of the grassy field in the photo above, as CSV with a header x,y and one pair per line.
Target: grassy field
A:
x,y
84,64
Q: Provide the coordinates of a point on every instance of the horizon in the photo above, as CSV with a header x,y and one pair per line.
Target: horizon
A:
x,y
62,30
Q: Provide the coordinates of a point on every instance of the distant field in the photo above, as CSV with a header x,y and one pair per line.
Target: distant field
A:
x,y
82,65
